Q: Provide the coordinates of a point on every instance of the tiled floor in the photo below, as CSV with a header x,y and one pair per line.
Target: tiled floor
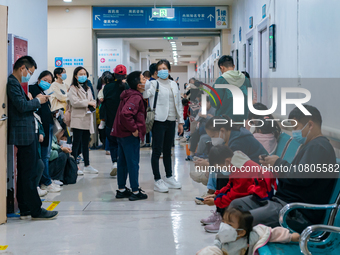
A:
x,y
92,221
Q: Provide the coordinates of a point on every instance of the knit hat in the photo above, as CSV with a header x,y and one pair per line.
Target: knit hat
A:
x,y
120,69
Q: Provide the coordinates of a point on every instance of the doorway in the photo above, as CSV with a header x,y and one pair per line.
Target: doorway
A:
x,y
264,66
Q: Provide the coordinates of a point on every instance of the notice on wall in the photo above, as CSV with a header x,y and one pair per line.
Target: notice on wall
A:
x,y
108,59
68,62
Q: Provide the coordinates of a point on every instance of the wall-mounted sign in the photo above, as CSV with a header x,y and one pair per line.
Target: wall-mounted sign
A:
x,y
68,62
272,55
168,13
263,11
251,22
143,17
233,38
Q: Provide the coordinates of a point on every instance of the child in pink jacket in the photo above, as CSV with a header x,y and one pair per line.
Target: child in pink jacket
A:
x,y
237,236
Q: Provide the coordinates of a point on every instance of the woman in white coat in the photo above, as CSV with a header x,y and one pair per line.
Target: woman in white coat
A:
x,y
168,109
81,103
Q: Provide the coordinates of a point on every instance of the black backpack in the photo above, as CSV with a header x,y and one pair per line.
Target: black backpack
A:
x,y
71,171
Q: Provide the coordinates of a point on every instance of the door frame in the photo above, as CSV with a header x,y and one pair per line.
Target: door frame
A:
x,y
263,25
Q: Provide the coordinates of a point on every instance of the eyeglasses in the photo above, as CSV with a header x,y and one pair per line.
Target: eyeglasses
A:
x,y
31,73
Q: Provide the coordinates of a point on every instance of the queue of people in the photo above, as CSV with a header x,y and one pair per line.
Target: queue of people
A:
x,y
47,153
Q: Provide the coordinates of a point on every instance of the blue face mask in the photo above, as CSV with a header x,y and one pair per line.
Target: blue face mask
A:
x,y
163,74
63,76
82,78
26,78
297,135
44,85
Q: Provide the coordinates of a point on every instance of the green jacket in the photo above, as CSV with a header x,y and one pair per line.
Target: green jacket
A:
x,y
227,100
55,149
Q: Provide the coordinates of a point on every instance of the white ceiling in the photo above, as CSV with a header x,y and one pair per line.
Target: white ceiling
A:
x,y
142,2
144,44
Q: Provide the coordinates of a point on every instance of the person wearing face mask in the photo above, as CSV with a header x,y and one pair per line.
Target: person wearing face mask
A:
x,y
60,89
108,109
82,106
129,128
237,235
168,109
41,87
23,133
235,78
315,150
147,76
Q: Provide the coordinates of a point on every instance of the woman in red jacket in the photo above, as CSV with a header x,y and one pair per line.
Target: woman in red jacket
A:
x,y
129,128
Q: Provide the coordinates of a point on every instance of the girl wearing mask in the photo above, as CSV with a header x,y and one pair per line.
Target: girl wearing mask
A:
x,y
60,89
82,106
43,84
168,109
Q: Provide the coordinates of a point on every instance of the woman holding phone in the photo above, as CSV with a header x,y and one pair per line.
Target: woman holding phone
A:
x,y
42,86
81,103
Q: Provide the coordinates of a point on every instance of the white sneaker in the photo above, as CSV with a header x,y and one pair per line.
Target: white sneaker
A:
x,y
160,186
80,172
51,188
57,182
172,183
101,125
114,169
90,170
41,192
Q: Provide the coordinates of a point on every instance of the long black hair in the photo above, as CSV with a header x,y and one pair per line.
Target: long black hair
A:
x,y
75,81
165,62
58,70
43,74
119,80
107,77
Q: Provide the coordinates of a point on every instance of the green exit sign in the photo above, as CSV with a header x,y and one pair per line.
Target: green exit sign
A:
x,y
163,13
168,38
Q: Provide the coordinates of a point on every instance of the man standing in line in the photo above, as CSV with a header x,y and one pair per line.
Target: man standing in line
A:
x,y
23,133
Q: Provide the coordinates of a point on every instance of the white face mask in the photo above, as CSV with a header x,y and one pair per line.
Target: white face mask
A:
x,y
217,140
227,233
252,129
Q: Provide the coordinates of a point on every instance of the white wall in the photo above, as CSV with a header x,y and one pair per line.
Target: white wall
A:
x,y
191,72
306,47
206,62
28,19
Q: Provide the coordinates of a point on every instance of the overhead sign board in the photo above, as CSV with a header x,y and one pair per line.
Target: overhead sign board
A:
x,y
168,13
143,17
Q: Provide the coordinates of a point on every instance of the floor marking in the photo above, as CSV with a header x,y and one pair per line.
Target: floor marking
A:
x,y
53,206
3,247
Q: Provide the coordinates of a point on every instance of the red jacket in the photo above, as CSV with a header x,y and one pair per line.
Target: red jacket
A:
x,y
131,115
236,188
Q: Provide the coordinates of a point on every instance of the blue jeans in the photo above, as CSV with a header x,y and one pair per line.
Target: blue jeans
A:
x,y
113,145
107,145
212,181
128,161
45,157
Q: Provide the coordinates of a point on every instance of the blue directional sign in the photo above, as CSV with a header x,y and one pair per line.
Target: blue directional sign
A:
x,y
141,17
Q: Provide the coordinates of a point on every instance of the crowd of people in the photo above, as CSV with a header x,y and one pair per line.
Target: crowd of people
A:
x,y
52,125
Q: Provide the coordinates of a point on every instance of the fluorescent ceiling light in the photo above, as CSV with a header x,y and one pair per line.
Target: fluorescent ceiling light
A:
x,y
172,42
67,1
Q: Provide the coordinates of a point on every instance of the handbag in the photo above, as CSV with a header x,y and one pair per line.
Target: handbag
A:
x,y
150,113
57,127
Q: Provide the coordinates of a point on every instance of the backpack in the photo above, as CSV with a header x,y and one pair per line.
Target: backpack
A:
x,y
71,171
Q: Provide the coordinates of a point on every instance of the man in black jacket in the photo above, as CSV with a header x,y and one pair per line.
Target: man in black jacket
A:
x,y
22,132
300,184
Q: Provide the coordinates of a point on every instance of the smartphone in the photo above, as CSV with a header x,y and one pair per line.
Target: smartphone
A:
x,y
199,198
91,108
50,93
263,156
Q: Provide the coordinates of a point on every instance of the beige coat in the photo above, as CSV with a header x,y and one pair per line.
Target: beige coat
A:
x,y
79,101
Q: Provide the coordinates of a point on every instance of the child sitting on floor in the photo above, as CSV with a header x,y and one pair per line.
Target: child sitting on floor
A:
x,y
238,236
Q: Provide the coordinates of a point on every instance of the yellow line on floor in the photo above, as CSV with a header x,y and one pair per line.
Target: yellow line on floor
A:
x,y
53,206
3,247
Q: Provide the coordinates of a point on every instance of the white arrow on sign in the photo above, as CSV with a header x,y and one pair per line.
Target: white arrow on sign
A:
x,y
210,17
151,19
96,17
